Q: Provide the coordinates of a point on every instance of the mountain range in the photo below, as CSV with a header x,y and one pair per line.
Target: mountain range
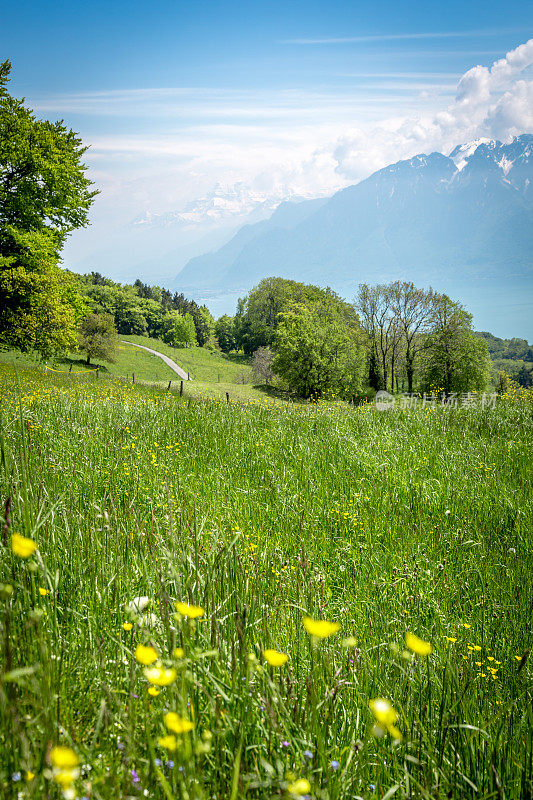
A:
x,y
462,223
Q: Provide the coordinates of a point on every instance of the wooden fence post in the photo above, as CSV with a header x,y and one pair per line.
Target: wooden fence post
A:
x,y
227,397
133,377
168,388
181,388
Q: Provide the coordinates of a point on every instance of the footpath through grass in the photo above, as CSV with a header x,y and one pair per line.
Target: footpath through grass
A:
x,y
213,374
206,366
385,523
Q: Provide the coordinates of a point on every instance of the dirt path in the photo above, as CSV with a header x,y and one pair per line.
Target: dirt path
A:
x,y
172,364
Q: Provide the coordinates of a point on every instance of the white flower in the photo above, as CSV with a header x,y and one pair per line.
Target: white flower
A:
x,y
148,621
138,604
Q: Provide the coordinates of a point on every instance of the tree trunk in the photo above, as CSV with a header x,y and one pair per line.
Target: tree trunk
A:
x,y
410,371
88,362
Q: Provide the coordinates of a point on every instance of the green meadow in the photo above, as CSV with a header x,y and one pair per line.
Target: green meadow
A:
x,y
212,373
182,547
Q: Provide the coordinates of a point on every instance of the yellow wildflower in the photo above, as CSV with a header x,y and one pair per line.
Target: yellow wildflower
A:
x,y
320,628
153,691
177,724
127,626
160,676
385,716
65,777
383,711
192,612
29,775
418,646
43,592
394,732
179,652
169,741
145,655
63,757
299,787
274,658
22,546
451,639
466,625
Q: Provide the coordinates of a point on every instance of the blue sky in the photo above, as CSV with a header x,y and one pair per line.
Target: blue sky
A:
x,y
219,91
75,46
281,98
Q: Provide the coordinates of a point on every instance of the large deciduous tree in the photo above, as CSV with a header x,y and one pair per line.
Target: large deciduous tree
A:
x,y
44,194
318,348
453,358
40,305
413,309
97,337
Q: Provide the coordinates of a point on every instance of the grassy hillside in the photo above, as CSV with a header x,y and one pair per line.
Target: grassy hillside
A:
x,y
206,366
385,523
129,360
212,373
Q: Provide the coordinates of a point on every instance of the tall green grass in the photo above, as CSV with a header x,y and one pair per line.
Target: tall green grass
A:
x,y
386,523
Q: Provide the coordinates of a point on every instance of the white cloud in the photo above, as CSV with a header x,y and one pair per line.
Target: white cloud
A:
x,y
387,37
491,101
309,143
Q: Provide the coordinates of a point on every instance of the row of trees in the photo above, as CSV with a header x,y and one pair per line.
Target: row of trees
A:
x,y
144,310
392,336
420,333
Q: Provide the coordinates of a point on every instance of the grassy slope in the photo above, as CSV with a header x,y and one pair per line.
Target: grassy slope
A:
x,y
129,360
203,365
213,374
385,522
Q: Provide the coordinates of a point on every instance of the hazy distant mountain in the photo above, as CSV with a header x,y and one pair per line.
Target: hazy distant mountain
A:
x,y
452,221
155,246
221,205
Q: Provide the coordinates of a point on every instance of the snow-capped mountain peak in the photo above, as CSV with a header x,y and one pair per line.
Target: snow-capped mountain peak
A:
x,y
223,204
462,152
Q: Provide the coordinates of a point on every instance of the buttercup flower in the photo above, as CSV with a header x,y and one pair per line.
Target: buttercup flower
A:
x,y
418,646
320,628
22,546
177,724
43,592
63,757
179,652
127,626
160,676
145,655
192,612
274,658
65,763
169,741
385,716
299,787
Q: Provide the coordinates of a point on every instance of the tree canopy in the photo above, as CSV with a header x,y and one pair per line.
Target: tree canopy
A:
x,y
44,194
42,178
